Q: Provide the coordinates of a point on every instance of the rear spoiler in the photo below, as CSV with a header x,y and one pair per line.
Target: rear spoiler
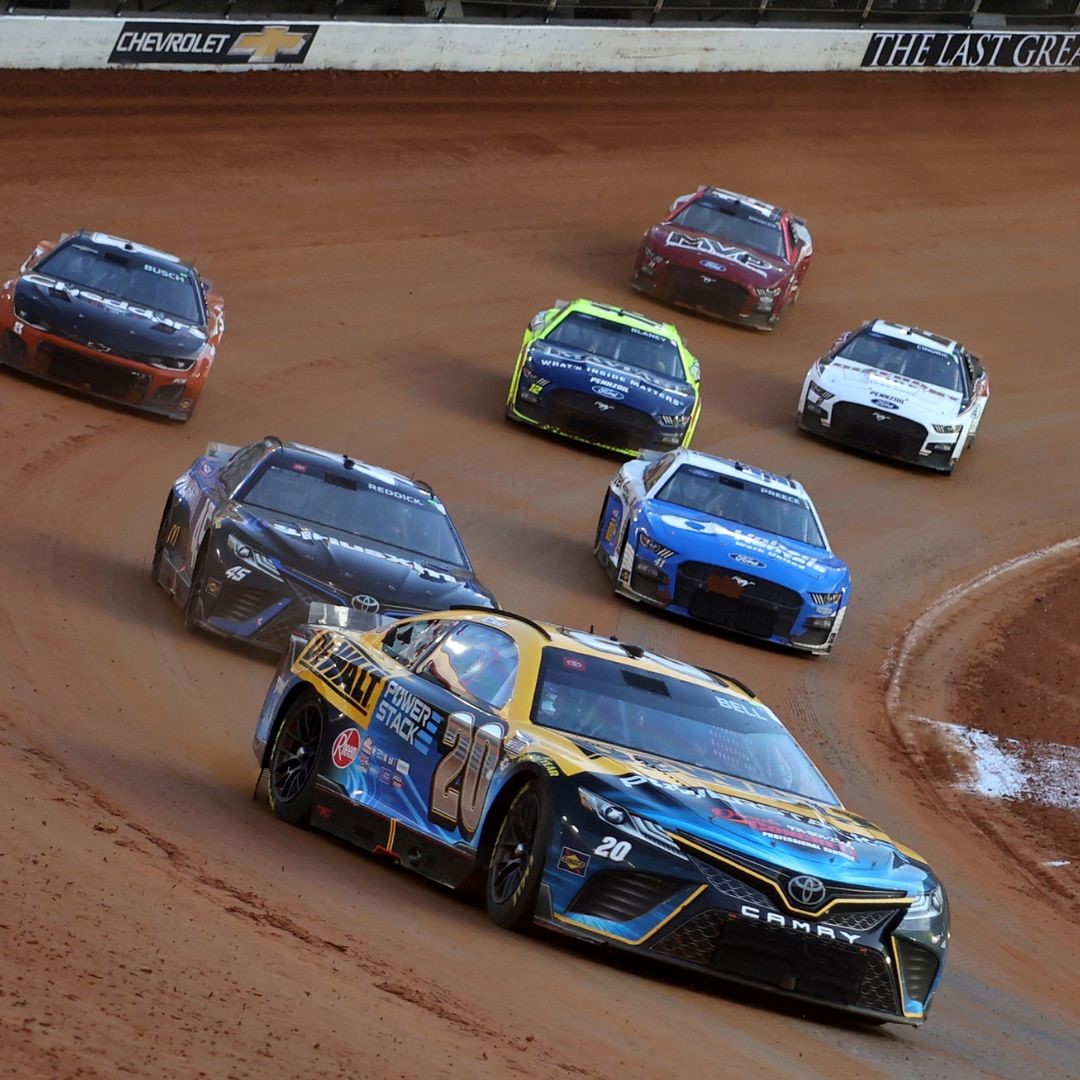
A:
x,y
344,618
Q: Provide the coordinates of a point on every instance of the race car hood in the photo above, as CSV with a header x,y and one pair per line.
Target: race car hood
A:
x,y
879,389
106,324
713,256
704,811
357,566
577,370
698,536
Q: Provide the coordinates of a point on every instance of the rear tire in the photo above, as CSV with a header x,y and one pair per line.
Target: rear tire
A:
x,y
294,758
159,543
517,859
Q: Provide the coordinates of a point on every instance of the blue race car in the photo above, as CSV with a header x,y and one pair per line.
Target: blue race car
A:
x,y
726,544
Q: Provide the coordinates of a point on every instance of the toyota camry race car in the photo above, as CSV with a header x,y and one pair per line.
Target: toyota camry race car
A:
x,y
726,255
899,392
602,791
114,319
726,544
606,376
250,537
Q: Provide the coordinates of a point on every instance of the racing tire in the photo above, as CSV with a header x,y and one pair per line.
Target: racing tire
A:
x,y
193,606
294,758
159,543
517,859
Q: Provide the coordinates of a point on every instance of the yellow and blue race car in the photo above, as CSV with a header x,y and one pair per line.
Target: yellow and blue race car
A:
x,y
608,377
601,790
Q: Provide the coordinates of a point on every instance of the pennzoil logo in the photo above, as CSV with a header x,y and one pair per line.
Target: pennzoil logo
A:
x,y
185,42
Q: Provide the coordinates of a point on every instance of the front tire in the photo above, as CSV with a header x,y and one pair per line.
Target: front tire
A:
x,y
193,607
159,543
294,758
517,859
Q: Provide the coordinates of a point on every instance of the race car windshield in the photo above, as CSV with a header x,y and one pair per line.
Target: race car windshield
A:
x,y
169,288
727,224
744,502
356,505
619,342
656,713
907,358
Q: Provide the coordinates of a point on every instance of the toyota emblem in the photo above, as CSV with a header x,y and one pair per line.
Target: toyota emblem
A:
x,y
806,890
363,602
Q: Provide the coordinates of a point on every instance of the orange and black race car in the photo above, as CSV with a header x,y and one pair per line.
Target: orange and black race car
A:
x,y
114,319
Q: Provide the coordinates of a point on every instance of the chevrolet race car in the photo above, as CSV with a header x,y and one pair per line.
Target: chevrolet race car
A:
x,y
114,319
602,791
726,544
250,537
726,255
899,392
606,376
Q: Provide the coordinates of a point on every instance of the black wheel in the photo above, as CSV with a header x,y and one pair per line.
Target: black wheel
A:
x,y
517,860
294,758
193,608
599,527
159,543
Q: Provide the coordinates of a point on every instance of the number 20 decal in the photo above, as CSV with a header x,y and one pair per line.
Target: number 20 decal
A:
x,y
463,778
616,850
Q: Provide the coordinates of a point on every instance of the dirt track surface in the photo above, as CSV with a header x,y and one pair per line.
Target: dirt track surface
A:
x,y
381,243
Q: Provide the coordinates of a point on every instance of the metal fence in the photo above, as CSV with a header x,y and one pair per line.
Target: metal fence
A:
x,y
981,14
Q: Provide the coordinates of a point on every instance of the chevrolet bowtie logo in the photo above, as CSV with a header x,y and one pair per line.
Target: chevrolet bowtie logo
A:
x,y
267,45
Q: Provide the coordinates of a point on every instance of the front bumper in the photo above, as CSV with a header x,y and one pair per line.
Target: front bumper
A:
x,y
112,378
895,437
707,294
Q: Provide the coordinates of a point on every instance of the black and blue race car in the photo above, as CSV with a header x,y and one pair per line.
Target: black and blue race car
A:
x,y
601,375
724,543
603,791
251,536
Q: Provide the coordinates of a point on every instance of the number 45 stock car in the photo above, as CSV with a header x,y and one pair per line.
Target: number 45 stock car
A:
x,y
601,790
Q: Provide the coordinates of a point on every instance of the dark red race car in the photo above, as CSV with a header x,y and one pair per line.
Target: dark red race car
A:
x,y
726,255
114,319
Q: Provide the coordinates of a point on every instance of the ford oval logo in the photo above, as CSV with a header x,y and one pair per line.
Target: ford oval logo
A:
x,y
718,267
748,560
606,391
806,891
881,403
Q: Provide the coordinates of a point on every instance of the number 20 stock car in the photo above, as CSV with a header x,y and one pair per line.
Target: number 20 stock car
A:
x,y
601,790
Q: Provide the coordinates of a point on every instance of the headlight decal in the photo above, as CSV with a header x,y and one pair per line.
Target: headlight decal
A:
x,y
617,817
250,557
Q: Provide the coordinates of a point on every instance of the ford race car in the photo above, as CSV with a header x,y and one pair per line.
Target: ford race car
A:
x,y
606,376
726,255
899,392
114,319
726,544
251,537
602,791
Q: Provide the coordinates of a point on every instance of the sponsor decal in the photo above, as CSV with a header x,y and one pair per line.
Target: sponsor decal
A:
x,y
516,745
161,272
385,776
403,496
366,749
885,403
112,303
574,663
397,780
748,911
796,830
710,246
773,549
344,674
324,812
574,862
346,747
720,268
972,49
183,42
407,716
607,392
747,560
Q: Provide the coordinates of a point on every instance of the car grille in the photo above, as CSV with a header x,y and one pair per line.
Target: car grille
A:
x,y
97,376
616,424
918,966
716,294
620,896
730,886
862,922
829,971
169,395
243,602
893,435
717,595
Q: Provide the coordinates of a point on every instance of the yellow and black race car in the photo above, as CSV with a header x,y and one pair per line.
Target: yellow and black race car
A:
x,y
620,796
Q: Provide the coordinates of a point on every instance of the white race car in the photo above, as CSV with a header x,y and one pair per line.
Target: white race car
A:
x,y
899,392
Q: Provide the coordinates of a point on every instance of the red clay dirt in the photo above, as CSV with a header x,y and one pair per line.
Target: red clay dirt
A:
x,y
381,241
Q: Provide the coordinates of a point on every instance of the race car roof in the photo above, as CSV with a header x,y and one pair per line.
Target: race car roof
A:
x,y
923,338
617,314
373,473
129,246
733,202
737,469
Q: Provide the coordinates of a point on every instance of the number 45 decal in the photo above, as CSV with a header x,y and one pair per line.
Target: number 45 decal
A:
x,y
462,779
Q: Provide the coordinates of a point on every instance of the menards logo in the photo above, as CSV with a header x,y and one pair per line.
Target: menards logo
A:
x,y
184,42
